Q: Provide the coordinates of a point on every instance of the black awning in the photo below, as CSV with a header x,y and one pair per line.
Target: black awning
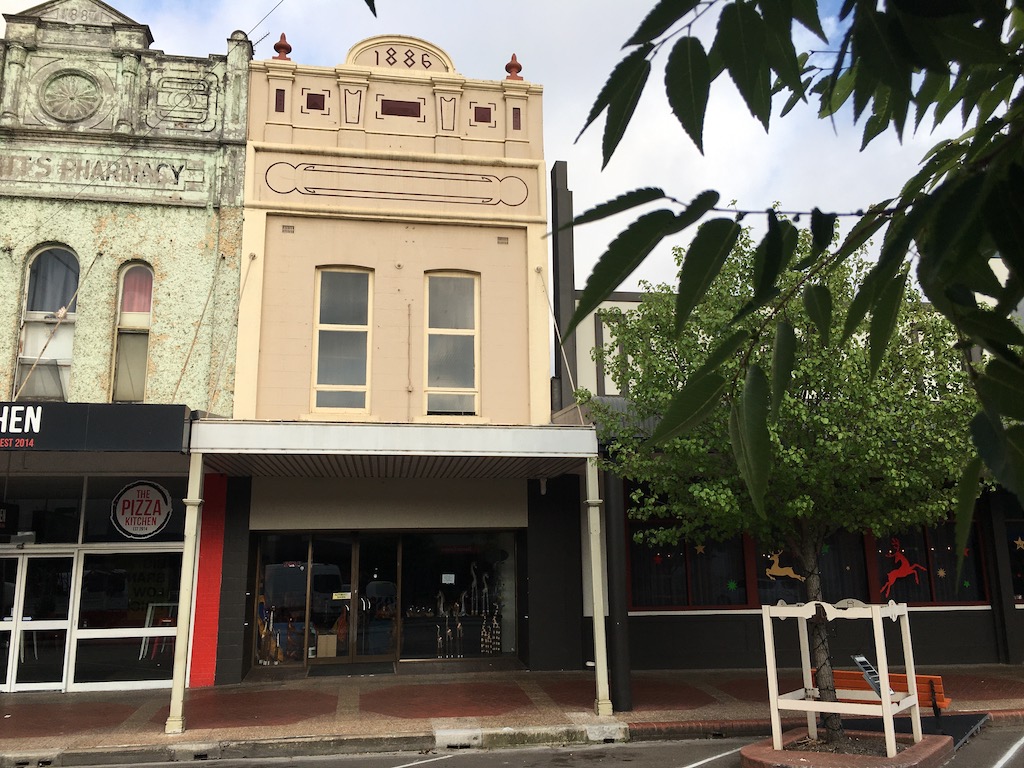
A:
x,y
29,427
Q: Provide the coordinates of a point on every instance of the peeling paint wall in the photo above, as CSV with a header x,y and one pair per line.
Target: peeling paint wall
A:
x,y
120,153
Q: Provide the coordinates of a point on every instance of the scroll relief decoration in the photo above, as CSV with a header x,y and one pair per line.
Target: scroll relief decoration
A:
x,y
353,181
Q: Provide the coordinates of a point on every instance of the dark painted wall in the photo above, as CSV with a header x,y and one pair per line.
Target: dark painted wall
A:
x,y
234,635
940,638
554,638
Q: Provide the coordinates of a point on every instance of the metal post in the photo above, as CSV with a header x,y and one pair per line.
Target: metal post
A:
x,y
603,703
193,504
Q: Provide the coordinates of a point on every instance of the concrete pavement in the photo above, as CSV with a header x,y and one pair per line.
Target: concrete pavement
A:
x,y
416,712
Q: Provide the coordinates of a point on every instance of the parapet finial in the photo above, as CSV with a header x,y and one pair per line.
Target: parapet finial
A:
x,y
514,68
283,49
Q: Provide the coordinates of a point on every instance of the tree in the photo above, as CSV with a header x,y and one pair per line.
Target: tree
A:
x,y
854,448
959,215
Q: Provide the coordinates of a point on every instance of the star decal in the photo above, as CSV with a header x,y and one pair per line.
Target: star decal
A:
x,y
1019,542
731,585
941,573
967,583
700,549
825,549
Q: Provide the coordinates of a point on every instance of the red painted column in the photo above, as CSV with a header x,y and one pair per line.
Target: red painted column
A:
x,y
208,580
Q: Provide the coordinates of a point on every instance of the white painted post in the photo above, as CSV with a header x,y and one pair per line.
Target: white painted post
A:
x,y
773,677
883,683
603,703
805,662
908,661
193,503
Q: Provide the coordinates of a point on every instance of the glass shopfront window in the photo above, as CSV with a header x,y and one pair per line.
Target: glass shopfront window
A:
x,y
42,510
146,506
129,589
458,595
334,597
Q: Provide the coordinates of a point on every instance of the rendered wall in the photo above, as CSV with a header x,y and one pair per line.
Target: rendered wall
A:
x,y
122,153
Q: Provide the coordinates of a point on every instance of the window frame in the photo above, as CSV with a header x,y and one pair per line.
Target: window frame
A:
x,y
473,332
367,328
131,324
35,323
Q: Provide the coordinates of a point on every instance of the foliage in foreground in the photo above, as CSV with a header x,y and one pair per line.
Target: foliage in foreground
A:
x,y
895,63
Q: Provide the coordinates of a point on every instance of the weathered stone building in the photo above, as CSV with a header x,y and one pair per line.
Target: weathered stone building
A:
x,y
113,154
120,234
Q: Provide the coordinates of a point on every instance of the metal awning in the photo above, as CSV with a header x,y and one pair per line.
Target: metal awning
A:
x,y
320,449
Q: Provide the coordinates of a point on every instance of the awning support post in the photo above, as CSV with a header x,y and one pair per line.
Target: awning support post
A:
x,y
603,703
193,505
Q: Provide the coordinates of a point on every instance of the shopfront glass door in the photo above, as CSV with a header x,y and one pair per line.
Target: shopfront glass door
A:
x,y
326,598
34,623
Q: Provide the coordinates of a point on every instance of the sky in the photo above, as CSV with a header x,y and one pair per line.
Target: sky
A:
x,y
570,47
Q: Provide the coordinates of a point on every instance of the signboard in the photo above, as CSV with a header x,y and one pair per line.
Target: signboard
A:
x,y
94,427
141,510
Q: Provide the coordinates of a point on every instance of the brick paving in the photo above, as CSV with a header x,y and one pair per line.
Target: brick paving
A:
x,y
376,711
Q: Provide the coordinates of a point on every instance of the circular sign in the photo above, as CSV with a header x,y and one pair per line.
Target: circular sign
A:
x,y
141,510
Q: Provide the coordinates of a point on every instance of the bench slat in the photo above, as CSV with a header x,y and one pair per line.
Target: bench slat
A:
x,y
929,687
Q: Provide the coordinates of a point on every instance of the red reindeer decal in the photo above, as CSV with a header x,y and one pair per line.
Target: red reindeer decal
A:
x,y
903,568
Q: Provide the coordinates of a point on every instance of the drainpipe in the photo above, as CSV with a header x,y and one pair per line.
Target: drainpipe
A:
x,y
193,506
603,703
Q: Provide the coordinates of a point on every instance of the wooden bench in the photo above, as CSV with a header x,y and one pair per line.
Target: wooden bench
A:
x,y
929,687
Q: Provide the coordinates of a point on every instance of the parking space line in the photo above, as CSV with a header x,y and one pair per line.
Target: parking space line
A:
x,y
423,762
712,758
1009,754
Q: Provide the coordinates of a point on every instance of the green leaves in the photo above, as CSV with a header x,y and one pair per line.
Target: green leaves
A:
x,y
883,319
691,406
818,304
661,18
634,243
783,357
619,96
741,43
748,432
687,85
704,259
619,204
967,491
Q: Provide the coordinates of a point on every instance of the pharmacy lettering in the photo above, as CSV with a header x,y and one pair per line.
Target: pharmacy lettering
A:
x,y
54,167
141,510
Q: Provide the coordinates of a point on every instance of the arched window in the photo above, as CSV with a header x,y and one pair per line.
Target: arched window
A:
x,y
47,336
131,350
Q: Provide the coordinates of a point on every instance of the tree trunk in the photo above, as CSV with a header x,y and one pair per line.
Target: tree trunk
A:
x,y
821,656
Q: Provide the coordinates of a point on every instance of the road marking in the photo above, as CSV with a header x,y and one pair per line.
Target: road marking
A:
x,y
1012,751
422,762
724,754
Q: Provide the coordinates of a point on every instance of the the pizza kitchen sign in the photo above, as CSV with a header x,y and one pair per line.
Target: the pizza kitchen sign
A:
x,y
141,510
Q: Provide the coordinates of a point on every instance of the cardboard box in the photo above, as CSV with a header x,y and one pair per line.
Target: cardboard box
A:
x,y
326,646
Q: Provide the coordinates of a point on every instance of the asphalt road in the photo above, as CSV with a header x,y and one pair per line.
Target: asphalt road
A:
x,y
992,748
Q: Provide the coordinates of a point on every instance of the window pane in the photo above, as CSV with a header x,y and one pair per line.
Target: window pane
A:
x,y
451,302
446,403
342,358
774,581
344,297
451,361
130,367
334,399
52,281
137,289
46,506
43,383
903,569
717,573
103,491
657,575
102,660
843,568
1015,541
130,590
948,589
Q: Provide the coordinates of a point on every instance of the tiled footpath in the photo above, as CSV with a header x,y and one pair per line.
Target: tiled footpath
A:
x,y
391,712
